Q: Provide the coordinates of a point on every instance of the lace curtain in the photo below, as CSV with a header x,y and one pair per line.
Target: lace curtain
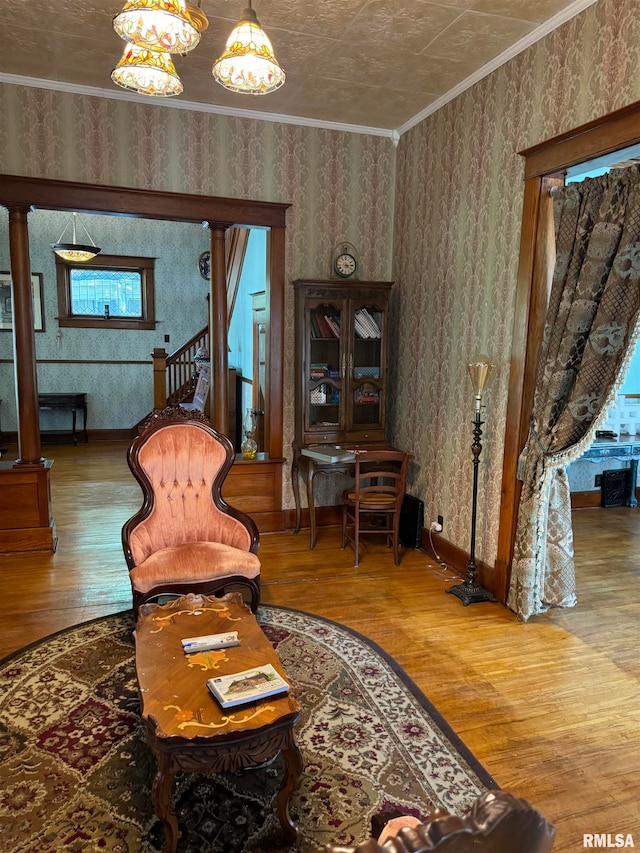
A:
x,y
589,333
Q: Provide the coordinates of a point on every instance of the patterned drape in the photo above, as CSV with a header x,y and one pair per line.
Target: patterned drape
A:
x,y
590,326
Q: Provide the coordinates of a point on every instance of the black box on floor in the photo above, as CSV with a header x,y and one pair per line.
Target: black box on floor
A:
x,y
411,522
616,485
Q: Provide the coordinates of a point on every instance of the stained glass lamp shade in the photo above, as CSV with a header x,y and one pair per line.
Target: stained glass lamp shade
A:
x,y
147,72
248,63
164,25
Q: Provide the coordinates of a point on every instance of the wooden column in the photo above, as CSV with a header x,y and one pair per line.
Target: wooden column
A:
x,y
23,339
26,523
218,328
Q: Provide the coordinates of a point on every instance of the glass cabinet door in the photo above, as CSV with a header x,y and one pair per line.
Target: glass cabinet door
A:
x,y
367,365
325,369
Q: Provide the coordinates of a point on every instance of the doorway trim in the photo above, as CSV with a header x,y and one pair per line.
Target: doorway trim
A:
x,y
544,166
24,192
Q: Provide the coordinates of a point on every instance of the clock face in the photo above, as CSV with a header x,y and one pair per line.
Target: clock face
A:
x,y
204,265
345,265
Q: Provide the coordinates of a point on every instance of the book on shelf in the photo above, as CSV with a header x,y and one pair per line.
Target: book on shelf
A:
x,y
375,325
334,324
315,331
240,688
368,323
360,328
363,372
325,328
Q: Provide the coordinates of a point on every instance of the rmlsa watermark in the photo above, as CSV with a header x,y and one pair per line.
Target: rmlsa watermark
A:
x,y
604,839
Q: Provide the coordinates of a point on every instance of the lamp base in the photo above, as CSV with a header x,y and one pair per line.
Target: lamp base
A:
x,y
470,593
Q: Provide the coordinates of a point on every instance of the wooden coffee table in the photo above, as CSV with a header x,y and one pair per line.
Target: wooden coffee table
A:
x,y
186,728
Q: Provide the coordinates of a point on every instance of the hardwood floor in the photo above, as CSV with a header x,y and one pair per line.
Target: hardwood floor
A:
x,y
551,708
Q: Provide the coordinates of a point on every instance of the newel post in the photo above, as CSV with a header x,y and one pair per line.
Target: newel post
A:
x,y
159,356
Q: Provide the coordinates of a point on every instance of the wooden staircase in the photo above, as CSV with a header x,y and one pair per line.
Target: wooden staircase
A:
x,y
174,376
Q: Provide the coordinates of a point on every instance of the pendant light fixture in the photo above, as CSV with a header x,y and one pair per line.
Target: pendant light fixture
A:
x,y
147,72
74,251
165,25
248,63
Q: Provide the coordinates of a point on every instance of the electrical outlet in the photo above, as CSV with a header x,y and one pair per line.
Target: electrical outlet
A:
x,y
598,480
441,522
166,339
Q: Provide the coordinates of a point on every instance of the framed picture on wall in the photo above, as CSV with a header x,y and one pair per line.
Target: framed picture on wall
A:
x,y
6,296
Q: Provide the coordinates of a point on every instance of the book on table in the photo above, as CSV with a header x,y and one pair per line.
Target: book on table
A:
x,y
210,642
240,688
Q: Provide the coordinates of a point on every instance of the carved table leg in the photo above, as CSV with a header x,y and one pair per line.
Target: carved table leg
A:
x,y
295,485
632,501
293,766
73,425
162,805
311,473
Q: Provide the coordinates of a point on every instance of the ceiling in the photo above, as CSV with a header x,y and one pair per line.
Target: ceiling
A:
x,y
369,64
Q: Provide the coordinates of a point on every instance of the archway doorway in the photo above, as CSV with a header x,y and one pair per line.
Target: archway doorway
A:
x,y
19,194
545,166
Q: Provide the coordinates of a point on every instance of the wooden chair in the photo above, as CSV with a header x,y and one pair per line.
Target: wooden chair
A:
x,y
498,823
200,393
380,486
185,537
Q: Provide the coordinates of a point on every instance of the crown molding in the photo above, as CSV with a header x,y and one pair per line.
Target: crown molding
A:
x,y
530,39
117,95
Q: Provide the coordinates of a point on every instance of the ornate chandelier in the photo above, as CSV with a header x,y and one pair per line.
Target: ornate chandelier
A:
x,y
154,29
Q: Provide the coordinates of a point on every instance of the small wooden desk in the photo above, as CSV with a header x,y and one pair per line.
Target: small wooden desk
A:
x,y
311,467
68,402
186,728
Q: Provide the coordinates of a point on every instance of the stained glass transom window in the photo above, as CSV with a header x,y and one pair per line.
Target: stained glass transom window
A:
x,y
111,293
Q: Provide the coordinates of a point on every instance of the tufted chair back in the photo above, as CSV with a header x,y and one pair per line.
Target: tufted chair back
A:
x,y
184,465
185,536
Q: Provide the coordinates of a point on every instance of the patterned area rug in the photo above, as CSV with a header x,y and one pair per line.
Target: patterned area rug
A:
x,y
75,771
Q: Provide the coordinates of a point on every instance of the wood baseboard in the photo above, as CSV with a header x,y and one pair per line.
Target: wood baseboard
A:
x,y
29,539
457,559
270,522
326,516
582,500
592,498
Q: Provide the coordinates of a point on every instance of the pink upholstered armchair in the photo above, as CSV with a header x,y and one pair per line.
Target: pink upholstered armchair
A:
x,y
185,537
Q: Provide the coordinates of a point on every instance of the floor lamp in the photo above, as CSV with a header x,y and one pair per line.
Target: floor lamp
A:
x,y
470,591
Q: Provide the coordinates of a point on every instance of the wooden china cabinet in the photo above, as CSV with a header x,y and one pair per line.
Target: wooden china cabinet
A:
x,y
341,368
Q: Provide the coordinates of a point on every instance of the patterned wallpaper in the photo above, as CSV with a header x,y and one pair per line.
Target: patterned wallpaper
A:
x,y
455,180
340,185
457,231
